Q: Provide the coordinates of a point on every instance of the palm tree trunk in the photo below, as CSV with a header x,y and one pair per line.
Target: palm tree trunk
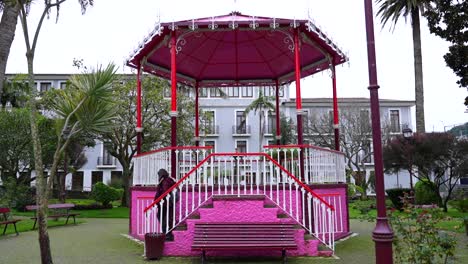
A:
x,y
418,73
7,34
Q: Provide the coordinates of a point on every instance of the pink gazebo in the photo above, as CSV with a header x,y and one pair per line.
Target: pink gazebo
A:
x,y
240,50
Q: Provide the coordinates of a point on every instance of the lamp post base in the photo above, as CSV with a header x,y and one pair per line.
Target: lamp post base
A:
x,y
383,238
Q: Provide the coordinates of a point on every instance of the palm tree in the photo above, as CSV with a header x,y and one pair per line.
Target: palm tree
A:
x,y
393,10
259,105
7,34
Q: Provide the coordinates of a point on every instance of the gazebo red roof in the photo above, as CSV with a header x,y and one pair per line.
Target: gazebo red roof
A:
x,y
236,49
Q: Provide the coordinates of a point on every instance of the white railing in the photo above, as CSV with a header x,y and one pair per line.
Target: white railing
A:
x,y
242,174
320,165
146,165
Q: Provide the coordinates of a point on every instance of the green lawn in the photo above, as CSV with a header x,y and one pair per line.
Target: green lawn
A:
x,y
365,209
26,224
115,212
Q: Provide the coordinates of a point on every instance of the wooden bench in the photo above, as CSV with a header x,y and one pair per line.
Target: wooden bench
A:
x,y
244,236
5,220
56,211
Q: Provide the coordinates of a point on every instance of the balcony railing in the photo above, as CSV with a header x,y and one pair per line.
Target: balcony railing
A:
x,y
241,130
106,161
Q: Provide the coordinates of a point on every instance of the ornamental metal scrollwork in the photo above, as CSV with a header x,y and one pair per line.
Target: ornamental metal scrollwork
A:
x,y
274,24
213,25
254,24
193,26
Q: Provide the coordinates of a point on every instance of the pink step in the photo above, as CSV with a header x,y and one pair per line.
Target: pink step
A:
x,y
240,210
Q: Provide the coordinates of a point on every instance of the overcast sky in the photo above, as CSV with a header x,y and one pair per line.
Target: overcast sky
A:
x,y
111,29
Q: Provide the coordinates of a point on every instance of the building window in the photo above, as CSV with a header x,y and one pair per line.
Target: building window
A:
x,y
271,123
271,142
281,91
241,123
203,92
233,91
247,91
45,86
366,149
208,122
216,92
330,118
395,120
241,146
106,159
116,177
77,181
268,91
364,119
63,85
211,143
96,176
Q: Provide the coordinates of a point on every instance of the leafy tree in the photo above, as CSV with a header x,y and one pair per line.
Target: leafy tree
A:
x,y
460,130
7,33
355,141
448,19
15,92
392,10
259,105
441,160
16,157
121,139
287,129
31,44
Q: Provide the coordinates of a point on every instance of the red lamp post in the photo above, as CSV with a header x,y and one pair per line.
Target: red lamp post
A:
x,y
382,234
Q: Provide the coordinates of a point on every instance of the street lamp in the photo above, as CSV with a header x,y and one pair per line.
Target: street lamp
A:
x,y
382,233
408,135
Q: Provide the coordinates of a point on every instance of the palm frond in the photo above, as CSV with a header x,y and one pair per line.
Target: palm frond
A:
x,y
392,10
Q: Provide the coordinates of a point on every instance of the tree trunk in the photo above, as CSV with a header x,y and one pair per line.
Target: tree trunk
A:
x,y
7,34
61,181
418,72
41,182
126,175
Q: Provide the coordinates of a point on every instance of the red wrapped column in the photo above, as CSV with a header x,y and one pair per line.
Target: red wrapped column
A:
x,y
174,112
278,123
297,61
197,117
336,125
139,128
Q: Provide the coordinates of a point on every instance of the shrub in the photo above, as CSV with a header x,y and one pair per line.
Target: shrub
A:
x,y
116,183
395,195
461,205
425,193
417,238
105,194
16,195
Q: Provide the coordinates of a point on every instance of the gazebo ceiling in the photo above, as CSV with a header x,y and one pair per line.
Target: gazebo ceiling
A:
x,y
236,49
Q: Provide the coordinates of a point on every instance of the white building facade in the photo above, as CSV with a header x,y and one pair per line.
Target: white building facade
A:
x,y
229,129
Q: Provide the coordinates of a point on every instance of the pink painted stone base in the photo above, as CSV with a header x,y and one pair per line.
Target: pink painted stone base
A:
x,y
234,211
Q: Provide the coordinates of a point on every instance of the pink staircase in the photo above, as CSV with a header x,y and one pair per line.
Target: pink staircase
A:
x,y
232,209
